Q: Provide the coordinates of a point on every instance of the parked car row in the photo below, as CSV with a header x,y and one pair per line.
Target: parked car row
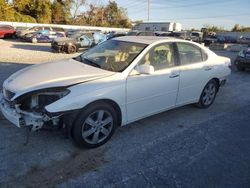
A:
x,y
71,41
226,39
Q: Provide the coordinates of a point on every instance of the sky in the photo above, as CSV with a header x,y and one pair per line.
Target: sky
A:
x,y
190,13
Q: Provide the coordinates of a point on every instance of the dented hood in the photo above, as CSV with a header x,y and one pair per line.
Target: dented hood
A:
x,y
52,74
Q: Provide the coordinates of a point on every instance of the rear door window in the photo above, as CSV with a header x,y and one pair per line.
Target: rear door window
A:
x,y
189,54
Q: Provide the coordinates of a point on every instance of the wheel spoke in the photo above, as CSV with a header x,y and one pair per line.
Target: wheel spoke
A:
x,y
95,137
105,131
206,91
88,132
107,121
205,97
206,100
100,115
212,94
90,122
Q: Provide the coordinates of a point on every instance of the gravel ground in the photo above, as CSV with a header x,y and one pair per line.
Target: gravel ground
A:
x,y
14,51
185,147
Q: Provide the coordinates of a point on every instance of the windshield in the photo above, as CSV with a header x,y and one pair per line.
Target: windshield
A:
x,y
112,55
195,34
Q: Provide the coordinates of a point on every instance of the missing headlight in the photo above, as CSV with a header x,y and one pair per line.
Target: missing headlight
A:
x,y
38,100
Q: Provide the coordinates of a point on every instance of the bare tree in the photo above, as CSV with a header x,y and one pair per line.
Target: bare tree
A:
x,y
76,7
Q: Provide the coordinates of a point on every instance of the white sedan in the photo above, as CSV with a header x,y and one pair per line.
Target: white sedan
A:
x,y
115,83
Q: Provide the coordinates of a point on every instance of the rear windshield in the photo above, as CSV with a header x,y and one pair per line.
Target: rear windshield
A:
x,y
6,27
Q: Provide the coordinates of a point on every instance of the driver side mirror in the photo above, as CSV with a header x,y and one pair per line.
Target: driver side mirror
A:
x,y
145,69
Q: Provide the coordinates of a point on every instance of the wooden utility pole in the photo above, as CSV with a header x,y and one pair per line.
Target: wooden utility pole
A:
x,y
148,9
102,14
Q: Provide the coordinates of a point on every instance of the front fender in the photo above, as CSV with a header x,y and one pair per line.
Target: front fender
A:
x,y
83,94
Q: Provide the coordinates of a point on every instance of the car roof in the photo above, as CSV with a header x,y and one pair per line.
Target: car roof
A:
x,y
144,39
2,25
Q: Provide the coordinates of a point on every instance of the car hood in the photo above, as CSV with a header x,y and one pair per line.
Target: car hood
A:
x,y
52,74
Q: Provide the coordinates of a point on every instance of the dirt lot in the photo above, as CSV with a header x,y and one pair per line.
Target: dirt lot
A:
x,y
15,51
185,147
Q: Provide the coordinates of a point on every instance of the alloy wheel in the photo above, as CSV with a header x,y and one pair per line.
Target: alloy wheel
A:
x,y
97,126
209,94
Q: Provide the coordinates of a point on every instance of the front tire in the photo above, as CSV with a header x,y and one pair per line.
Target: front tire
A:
x,y
208,94
71,49
95,125
34,40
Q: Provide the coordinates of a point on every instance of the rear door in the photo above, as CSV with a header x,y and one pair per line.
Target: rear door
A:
x,y
194,72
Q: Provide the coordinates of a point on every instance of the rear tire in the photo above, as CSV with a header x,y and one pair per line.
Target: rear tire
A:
x,y
94,125
208,94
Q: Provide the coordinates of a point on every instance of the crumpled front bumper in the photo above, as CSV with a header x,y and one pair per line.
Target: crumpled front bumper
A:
x,y
22,118
9,112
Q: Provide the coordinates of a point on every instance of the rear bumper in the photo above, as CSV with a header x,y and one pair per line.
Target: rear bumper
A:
x,y
242,62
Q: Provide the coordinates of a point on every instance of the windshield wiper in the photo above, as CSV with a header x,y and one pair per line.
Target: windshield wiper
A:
x,y
90,62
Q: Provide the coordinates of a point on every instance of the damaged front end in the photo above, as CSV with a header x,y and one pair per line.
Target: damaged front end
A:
x,y
29,109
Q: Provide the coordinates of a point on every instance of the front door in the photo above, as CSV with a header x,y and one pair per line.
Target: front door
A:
x,y
149,94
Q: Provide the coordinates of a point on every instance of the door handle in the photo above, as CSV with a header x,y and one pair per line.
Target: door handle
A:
x,y
174,75
208,68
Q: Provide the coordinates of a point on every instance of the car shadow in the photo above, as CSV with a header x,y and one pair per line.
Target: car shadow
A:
x,y
33,47
8,68
13,40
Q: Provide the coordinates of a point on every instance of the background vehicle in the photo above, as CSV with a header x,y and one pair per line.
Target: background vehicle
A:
x,y
162,33
209,40
179,35
114,83
45,37
22,33
115,34
243,59
80,39
7,31
196,36
140,33
244,40
226,39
